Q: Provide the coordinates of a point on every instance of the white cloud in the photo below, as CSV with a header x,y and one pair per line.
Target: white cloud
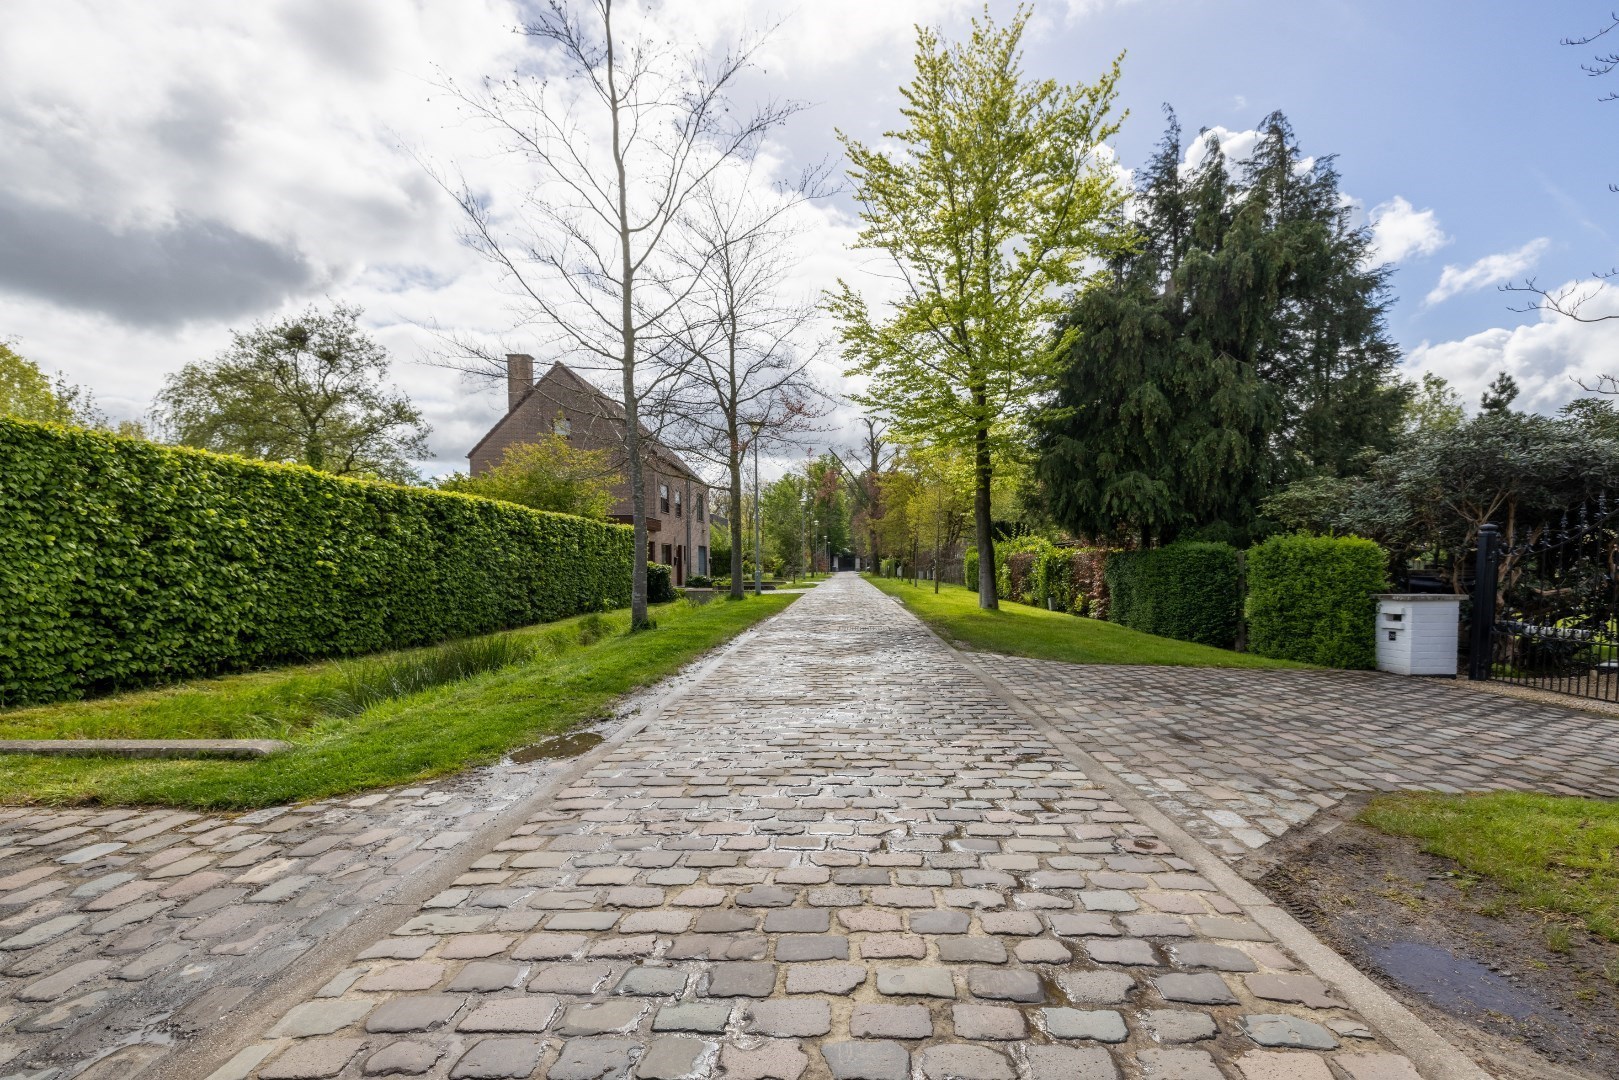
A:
x,y
1234,145
256,148
1490,270
1544,356
1400,230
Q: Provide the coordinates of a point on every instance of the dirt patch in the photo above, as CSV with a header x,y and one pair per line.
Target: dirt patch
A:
x,y
1529,996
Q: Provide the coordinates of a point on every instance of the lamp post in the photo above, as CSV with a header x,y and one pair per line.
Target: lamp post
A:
x,y
758,526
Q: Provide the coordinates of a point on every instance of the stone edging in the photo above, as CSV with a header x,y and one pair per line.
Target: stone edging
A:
x,y
145,748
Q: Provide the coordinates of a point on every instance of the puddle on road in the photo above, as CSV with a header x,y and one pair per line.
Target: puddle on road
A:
x,y
1452,982
557,747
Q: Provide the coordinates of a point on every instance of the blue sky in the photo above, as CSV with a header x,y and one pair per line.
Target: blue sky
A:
x,y
174,172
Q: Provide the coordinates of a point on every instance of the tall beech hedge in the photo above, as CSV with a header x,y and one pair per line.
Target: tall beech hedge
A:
x,y
125,564
1190,591
1310,599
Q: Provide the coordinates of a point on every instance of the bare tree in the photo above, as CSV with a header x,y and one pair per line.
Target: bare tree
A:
x,y
877,453
1569,300
748,346
618,148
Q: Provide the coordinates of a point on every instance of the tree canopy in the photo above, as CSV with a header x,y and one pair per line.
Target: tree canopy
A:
x,y
309,389
1237,345
989,202
27,394
548,474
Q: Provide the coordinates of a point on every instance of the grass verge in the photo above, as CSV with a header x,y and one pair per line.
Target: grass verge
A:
x,y
1021,630
578,667
1555,854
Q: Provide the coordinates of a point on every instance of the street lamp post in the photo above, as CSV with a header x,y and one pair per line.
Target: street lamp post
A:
x,y
758,526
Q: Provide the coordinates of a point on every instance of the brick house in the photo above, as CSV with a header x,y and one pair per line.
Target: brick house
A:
x,y
563,402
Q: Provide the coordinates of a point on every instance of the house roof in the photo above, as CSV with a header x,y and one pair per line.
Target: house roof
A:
x,y
608,407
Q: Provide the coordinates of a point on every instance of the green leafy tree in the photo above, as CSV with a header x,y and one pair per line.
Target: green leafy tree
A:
x,y
27,394
309,389
989,201
1519,471
1238,345
548,474
1433,405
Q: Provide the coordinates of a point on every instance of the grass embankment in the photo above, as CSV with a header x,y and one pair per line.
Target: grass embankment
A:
x,y
389,719
1021,630
1554,854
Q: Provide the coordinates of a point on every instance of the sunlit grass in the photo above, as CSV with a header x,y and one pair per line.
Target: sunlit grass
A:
x,y
1021,630
369,723
1553,854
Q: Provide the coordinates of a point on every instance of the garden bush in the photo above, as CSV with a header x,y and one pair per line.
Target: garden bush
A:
x,y
1310,599
125,564
700,581
1188,591
660,583
1089,574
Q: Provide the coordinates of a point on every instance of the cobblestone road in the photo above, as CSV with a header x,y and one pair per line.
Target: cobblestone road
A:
x,y
840,856
1239,757
123,932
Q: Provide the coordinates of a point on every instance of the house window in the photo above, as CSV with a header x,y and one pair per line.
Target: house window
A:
x,y
668,555
702,499
561,426
677,504
702,559
663,497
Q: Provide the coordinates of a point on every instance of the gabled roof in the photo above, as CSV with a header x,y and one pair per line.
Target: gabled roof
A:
x,y
608,408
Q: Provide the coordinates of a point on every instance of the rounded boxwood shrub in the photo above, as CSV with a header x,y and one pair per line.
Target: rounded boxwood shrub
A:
x,y
1190,591
1310,599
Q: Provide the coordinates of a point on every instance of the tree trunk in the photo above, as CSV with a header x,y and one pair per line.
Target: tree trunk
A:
x,y
736,523
983,474
632,412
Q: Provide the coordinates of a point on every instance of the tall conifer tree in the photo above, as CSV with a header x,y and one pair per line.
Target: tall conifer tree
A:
x,y
1240,344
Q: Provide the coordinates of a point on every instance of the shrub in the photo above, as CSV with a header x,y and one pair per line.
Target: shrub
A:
x,y
1089,574
1190,591
700,581
1310,599
124,564
660,583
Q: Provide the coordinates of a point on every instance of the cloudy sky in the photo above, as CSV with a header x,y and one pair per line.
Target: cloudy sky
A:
x,y
174,169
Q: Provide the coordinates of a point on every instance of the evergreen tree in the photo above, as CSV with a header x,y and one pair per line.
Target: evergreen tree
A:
x,y
1500,394
1239,345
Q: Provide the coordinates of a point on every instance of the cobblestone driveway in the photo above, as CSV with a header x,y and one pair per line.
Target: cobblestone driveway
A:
x,y
1238,757
841,856
125,931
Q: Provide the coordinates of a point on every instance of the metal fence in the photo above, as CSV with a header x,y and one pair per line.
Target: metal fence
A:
x,y
1545,610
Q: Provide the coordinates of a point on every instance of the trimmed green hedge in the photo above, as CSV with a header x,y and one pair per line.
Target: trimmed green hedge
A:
x,y
1190,591
124,564
1310,599
660,583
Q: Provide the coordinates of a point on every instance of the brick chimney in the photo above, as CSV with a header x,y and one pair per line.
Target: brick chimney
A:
x,y
519,378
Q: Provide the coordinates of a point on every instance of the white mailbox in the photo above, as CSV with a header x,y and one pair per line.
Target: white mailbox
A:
x,y
1418,633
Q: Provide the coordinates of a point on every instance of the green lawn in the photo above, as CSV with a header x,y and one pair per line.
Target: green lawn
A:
x,y
579,667
1554,854
1020,630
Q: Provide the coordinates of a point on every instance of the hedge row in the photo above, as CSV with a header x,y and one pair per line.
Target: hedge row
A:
x,y
125,564
1310,599
1190,591
1033,570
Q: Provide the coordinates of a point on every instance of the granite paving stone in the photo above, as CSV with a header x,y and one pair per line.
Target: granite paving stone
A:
x,y
866,866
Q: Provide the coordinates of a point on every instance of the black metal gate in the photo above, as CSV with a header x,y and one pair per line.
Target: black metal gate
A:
x,y
1546,612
